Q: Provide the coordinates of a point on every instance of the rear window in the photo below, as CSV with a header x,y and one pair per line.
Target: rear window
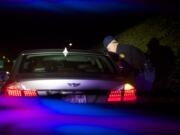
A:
x,y
72,63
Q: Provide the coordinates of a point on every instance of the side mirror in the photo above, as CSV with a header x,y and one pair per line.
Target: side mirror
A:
x,y
4,76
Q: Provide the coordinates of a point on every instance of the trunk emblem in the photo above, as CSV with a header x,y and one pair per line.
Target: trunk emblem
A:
x,y
73,84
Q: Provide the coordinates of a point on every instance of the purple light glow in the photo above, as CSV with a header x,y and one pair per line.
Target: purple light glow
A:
x,y
48,116
94,6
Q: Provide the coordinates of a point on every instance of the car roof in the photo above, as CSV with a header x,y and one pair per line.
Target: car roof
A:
x,y
26,52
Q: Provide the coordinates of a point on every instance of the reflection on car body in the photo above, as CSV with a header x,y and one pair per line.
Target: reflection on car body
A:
x,y
79,77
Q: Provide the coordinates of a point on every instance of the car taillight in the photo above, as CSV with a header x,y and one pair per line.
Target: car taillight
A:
x,y
115,96
30,93
129,93
126,93
16,89
14,92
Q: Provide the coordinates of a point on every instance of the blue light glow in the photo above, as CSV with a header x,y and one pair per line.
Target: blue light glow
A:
x,y
87,130
79,109
48,116
95,6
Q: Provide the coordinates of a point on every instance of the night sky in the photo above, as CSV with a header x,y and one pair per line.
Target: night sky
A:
x,y
43,24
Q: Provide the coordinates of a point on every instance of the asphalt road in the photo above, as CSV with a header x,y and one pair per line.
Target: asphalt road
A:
x,y
26,116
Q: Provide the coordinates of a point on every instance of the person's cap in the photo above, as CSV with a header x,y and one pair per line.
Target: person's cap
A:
x,y
107,40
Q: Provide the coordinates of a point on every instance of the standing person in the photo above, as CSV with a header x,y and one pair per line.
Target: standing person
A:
x,y
132,56
163,60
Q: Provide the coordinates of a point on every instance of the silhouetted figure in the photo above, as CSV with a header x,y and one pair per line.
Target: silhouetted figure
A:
x,y
162,59
126,69
132,61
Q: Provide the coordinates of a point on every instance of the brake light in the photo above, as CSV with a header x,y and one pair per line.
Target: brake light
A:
x,y
16,89
129,93
114,96
14,93
126,93
30,93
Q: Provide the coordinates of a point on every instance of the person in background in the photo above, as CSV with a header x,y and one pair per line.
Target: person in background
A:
x,y
163,60
132,58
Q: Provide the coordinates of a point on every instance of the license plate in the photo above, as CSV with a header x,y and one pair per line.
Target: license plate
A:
x,y
81,99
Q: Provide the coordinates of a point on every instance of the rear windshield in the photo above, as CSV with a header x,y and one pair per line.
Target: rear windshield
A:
x,y
72,63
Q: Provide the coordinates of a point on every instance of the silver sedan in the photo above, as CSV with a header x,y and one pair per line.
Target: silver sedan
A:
x,y
75,76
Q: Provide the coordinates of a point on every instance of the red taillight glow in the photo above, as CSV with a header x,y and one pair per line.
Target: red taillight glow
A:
x,y
30,93
129,93
15,89
14,92
126,94
115,96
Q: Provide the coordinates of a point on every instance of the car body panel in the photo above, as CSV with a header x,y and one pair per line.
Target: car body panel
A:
x,y
76,87
62,83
